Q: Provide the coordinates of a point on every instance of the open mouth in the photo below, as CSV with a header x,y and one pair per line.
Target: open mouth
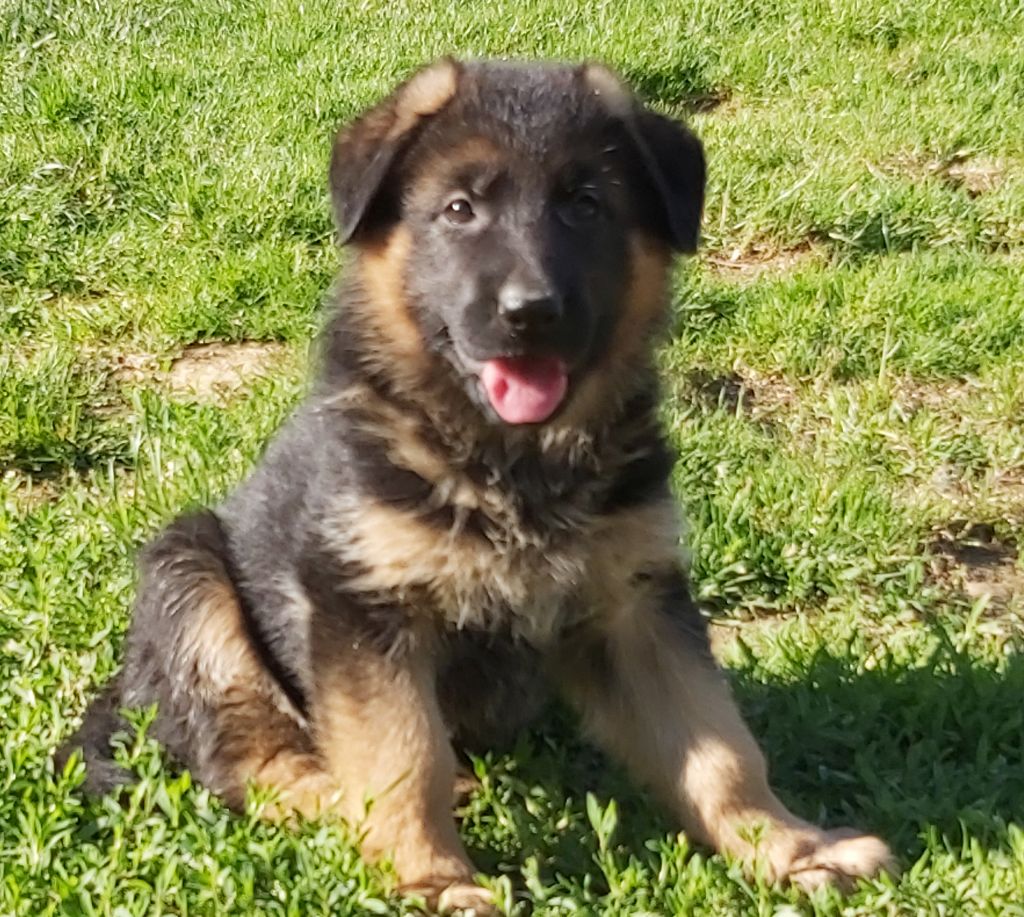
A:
x,y
525,389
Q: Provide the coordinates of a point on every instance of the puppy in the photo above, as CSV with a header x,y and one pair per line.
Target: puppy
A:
x,y
471,507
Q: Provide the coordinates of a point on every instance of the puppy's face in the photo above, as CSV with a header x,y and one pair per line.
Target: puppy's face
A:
x,y
524,194
519,259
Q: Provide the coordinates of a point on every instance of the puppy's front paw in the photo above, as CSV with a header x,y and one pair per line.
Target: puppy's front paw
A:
x,y
840,858
466,900
457,897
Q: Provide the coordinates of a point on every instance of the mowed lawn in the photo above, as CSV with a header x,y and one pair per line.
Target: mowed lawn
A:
x,y
844,383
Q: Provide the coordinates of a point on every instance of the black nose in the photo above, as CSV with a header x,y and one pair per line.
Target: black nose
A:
x,y
526,310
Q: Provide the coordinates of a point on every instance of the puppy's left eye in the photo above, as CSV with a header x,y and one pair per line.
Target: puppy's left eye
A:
x,y
582,206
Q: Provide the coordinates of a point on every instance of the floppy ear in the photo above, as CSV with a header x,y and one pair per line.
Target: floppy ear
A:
x,y
365,150
671,154
675,162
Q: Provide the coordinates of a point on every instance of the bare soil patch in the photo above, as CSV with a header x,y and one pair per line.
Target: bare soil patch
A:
x,y
744,390
203,372
704,102
725,633
134,367
972,560
208,372
26,491
760,259
975,175
942,397
999,487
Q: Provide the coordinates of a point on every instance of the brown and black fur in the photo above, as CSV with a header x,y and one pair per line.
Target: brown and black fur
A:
x,y
405,570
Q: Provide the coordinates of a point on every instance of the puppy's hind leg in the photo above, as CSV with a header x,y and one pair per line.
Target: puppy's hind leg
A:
x,y
220,711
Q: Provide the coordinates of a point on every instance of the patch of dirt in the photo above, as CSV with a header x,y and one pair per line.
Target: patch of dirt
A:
x,y
134,367
729,391
969,558
756,395
911,395
702,103
760,259
1002,487
976,175
971,403
202,372
27,492
725,633
208,372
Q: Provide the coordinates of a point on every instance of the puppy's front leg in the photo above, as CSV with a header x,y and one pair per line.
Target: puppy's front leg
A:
x,y
379,729
649,691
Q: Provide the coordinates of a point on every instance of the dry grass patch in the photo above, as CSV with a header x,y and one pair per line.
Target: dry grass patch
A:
x,y
976,175
743,390
207,372
760,259
972,560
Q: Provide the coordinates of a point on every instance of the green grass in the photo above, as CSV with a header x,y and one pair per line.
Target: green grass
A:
x,y
840,410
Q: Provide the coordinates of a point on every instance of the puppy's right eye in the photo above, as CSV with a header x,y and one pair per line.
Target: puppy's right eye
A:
x,y
459,211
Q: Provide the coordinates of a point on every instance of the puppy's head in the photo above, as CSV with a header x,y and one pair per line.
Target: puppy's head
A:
x,y
529,212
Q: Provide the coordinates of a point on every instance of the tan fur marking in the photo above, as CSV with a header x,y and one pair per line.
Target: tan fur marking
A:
x,y
217,642
645,536
647,296
605,83
258,737
637,540
406,447
407,450
465,577
426,93
646,302
386,745
435,176
299,784
381,268
383,761
216,645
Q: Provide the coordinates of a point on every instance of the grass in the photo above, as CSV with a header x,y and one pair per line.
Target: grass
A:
x,y
845,385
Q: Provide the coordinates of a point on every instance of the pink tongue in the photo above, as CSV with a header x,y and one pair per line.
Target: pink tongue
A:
x,y
525,389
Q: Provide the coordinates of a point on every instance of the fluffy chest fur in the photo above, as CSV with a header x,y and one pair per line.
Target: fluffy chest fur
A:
x,y
498,539
470,566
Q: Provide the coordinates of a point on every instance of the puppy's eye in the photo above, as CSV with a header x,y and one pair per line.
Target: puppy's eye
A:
x,y
583,205
459,211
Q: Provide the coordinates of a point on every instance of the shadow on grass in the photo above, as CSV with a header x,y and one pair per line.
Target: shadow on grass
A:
x,y
906,753
686,85
52,460
898,750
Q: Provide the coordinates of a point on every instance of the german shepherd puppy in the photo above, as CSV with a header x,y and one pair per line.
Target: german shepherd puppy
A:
x,y
472,504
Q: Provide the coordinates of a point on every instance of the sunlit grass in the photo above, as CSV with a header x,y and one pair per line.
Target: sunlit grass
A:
x,y
844,385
